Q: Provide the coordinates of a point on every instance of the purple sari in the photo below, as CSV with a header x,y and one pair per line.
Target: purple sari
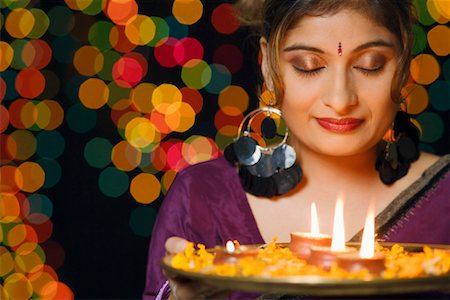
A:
x,y
207,204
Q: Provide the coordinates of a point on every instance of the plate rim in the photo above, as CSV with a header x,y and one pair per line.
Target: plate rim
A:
x,y
320,286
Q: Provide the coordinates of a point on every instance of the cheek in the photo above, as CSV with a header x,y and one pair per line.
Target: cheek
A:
x,y
384,115
299,93
296,104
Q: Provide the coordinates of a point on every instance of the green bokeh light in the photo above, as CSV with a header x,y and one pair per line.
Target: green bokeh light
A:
x,y
99,35
220,79
420,39
423,15
113,182
40,203
50,144
81,119
162,30
98,152
446,69
142,220
61,21
432,127
439,93
197,76
52,171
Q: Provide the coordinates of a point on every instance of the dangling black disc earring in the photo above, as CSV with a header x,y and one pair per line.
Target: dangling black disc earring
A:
x,y
400,151
265,170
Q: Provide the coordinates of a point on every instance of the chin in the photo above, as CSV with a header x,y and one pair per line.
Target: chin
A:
x,y
342,149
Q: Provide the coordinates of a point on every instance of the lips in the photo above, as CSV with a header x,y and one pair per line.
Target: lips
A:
x,y
339,125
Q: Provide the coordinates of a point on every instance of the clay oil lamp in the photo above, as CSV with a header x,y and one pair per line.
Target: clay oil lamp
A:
x,y
301,242
325,256
232,252
367,258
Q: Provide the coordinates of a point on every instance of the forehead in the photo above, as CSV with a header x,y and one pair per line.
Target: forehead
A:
x,y
347,26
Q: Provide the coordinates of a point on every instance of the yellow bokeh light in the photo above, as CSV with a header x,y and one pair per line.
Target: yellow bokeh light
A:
x,y
93,93
43,115
6,55
140,133
141,97
28,114
127,118
141,30
28,142
438,10
145,188
27,262
19,23
32,176
187,11
3,294
180,118
27,248
233,96
88,60
55,118
16,235
424,68
125,157
6,262
443,6
229,130
416,98
167,180
17,286
231,111
197,149
439,39
78,4
9,208
40,278
55,290
166,93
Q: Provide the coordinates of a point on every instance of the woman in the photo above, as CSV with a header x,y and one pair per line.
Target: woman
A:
x,y
335,70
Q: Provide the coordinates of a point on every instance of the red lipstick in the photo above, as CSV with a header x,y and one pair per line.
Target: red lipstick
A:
x,y
339,125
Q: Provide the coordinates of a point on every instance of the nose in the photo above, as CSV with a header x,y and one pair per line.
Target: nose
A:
x,y
340,93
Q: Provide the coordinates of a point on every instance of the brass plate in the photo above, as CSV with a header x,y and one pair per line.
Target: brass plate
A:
x,y
319,286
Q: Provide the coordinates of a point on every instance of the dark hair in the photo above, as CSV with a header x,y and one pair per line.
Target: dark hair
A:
x,y
273,18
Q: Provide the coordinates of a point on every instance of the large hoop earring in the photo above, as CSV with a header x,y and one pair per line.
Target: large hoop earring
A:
x,y
400,151
267,164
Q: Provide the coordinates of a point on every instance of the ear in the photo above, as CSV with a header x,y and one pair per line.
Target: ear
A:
x,y
264,65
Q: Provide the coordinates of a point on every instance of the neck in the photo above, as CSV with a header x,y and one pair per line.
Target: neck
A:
x,y
342,170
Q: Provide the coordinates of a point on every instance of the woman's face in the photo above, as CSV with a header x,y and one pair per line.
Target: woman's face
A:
x,y
338,104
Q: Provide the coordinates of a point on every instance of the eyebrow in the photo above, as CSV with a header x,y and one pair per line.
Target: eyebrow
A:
x,y
296,47
376,43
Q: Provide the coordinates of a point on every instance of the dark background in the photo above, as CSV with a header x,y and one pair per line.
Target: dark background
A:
x,y
92,247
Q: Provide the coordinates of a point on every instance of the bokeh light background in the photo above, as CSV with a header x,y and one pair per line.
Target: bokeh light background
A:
x,y
102,102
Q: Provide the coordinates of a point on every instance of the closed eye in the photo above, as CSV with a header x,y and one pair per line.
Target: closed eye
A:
x,y
370,71
309,72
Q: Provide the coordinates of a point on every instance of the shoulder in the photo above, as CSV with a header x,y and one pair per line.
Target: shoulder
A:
x,y
432,172
206,177
217,166
429,164
433,165
424,173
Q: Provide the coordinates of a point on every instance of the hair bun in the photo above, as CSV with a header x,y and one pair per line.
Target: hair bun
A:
x,y
249,12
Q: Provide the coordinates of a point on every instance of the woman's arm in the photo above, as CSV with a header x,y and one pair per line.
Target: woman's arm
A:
x,y
172,220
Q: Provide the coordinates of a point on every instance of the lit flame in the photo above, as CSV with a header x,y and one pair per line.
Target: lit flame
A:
x,y
367,249
338,239
314,220
230,246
